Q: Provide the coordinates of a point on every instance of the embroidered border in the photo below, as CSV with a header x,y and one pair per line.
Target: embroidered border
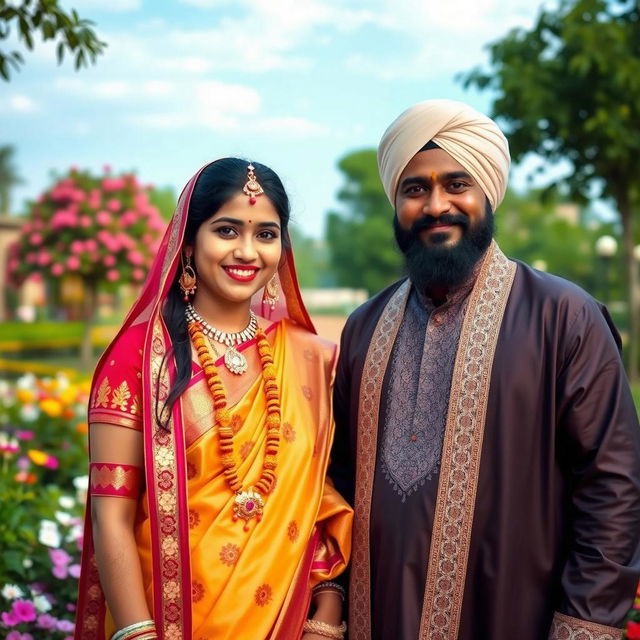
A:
x,y
462,448
567,628
170,602
369,406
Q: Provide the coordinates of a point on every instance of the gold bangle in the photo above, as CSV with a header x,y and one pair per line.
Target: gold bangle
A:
x,y
137,630
325,629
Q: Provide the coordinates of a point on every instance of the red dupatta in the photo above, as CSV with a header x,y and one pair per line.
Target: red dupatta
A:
x,y
164,450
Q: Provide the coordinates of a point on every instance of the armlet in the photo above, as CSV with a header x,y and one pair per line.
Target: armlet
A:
x,y
115,480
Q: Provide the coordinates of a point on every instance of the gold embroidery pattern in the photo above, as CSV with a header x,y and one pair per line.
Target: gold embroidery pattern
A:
x,y
288,432
171,615
292,531
135,406
102,395
116,478
93,603
229,554
567,628
263,595
197,592
460,464
375,366
120,397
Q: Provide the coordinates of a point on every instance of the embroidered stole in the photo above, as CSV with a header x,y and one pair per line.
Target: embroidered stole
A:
x,y
461,450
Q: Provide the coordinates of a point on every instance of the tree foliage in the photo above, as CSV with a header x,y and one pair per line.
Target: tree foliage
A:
x,y
9,177
360,238
569,89
72,34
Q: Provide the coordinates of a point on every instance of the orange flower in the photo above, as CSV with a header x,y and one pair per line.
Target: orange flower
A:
x,y
25,396
23,476
82,427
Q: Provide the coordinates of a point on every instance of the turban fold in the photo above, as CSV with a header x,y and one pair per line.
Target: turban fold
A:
x,y
468,136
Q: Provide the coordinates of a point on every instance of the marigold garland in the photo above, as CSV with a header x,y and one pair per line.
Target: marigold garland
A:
x,y
223,420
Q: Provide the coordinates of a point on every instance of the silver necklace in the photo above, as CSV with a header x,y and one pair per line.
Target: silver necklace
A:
x,y
233,359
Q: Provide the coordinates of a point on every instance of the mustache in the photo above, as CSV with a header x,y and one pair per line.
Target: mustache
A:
x,y
429,221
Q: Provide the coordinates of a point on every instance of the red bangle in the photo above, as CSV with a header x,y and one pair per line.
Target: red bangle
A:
x,y
115,480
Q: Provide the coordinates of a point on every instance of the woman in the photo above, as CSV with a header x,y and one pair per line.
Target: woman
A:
x,y
210,429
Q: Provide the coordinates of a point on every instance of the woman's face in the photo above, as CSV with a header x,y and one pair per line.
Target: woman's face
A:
x,y
238,249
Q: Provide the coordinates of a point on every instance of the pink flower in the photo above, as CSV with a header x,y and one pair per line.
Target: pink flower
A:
x,y
128,218
77,246
10,619
57,269
106,168
59,557
74,571
138,274
45,621
109,261
23,434
113,275
24,610
141,200
44,258
16,635
60,572
90,245
31,257
65,625
36,238
52,462
85,222
73,262
113,184
103,218
114,204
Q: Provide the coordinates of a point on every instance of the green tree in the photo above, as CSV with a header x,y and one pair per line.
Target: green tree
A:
x,y
9,177
360,238
569,89
71,33
542,232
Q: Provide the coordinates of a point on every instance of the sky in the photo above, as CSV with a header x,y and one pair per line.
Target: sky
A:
x,y
294,84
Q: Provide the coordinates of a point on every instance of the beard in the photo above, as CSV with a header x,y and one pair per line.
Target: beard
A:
x,y
437,265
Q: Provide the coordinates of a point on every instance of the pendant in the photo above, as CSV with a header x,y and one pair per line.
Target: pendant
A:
x,y
248,505
235,361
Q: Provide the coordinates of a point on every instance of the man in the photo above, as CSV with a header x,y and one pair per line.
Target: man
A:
x,y
485,430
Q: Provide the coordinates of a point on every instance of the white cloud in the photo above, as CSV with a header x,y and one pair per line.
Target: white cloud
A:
x,y
18,104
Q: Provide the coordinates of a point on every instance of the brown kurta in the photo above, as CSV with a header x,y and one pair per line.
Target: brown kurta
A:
x,y
556,525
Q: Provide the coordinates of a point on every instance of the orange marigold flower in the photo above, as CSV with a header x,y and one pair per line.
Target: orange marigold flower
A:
x,y
38,457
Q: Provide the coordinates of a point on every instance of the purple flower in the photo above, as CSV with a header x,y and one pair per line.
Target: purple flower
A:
x,y
59,557
16,635
66,625
10,619
71,607
45,621
24,610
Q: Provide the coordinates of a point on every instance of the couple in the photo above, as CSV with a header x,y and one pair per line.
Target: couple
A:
x,y
485,433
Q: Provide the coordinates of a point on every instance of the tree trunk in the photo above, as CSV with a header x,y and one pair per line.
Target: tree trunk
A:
x,y
631,279
88,316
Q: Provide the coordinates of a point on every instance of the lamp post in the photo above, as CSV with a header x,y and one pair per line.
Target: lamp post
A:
x,y
606,248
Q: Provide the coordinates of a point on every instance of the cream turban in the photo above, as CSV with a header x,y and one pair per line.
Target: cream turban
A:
x,y
471,138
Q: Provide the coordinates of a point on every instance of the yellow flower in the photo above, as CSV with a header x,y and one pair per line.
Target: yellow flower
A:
x,y
38,457
69,395
26,396
51,406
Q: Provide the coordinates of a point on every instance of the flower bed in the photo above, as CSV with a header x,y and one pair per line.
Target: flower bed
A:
x,y
43,457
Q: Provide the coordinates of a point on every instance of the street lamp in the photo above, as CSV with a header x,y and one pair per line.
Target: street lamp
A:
x,y
606,247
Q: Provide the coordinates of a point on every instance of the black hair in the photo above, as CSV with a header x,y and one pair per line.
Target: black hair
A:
x,y
217,184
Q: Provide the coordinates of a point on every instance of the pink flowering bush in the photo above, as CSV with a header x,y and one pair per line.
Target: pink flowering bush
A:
x,y
101,228
43,461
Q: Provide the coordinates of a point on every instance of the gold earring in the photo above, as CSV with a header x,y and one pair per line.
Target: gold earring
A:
x,y
271,293
188,281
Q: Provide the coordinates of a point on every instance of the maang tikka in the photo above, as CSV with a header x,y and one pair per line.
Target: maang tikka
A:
x,y
188,281
252,187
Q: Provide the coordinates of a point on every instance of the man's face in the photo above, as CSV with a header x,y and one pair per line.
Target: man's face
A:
x,y
443,221
438,192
